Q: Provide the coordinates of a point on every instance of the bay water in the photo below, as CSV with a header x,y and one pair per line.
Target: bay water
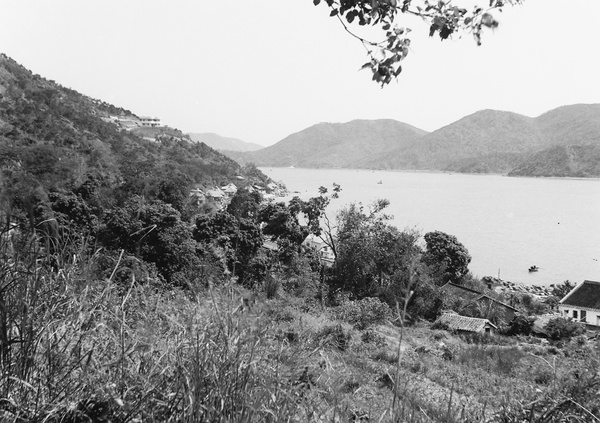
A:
x,y
507,224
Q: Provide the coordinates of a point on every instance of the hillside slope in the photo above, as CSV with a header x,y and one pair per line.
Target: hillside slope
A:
x,y
219,142
54,138
334,144
574,161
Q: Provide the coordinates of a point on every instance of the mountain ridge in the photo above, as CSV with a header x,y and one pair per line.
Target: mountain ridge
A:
x,y
487,141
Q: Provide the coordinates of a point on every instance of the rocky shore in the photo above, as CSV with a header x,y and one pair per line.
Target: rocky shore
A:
x,y
502,286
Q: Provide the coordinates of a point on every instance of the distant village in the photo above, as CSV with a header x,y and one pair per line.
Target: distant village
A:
x,y
220,197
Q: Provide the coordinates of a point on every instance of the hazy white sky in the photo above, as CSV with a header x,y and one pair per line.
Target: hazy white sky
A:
x,y
260,70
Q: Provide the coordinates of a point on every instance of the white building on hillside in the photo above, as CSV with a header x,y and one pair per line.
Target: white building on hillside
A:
x,y
582,304
325,252
152,122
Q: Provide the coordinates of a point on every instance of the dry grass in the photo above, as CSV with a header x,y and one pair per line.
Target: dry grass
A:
x,y
74,348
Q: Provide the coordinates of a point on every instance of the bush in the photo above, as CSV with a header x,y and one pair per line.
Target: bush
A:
x,y
561,328
363,313
520,325
336,336
372,337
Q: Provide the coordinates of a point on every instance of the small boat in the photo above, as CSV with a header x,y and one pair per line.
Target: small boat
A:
x,y
534,268
380,182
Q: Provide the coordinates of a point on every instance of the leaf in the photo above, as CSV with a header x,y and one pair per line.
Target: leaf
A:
x,y
334,12
366,65
316,2
351,15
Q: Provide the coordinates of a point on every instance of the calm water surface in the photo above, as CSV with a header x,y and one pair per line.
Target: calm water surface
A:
x,y
507,224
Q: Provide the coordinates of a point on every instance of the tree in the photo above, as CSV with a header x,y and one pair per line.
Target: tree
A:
x,y
444,19
281,222
374,258
245,204
314,211
560,291
154,232
238,240
446,256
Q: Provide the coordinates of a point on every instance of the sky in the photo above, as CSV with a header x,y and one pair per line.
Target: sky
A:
x,y
260,70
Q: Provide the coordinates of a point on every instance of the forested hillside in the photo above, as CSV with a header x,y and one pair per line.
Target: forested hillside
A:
x,y
56,139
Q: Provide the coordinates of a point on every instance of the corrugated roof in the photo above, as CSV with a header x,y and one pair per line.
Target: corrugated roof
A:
x,y
457,322
586,295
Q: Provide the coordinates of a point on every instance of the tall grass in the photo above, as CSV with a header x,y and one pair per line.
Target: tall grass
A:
x,y
73,349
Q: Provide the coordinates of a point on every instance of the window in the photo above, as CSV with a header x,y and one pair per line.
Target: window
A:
x,y
583,315
566,312
575,316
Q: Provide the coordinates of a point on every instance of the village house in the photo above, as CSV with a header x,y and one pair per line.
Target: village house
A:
x,y
230,189
216,197
461,324
197,196
476,302
323,250
582,304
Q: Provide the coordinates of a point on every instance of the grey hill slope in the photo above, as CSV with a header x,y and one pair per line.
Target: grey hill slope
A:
x,y
221,143
331,145
562,142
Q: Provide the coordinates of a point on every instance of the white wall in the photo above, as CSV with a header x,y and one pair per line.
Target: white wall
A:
x,y
591,318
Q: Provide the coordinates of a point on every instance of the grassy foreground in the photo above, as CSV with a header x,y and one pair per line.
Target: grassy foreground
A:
x,y
78,349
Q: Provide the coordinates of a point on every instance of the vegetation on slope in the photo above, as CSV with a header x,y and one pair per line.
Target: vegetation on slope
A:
x,y
575,161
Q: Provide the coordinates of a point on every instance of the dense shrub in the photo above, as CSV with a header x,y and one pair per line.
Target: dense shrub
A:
x,y
520,325
363,313
561,328
335,336
371,337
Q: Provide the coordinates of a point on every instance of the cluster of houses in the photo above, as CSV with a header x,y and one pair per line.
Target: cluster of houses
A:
x,y
581,304
220,197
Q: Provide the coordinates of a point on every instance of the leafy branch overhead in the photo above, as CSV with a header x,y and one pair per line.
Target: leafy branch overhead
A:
x,y
443,17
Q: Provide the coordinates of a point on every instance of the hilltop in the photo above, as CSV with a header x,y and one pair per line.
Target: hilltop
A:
x,y
488,141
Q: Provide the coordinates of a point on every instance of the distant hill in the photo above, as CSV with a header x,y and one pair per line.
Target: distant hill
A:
x,y
224,143
488,141
331,145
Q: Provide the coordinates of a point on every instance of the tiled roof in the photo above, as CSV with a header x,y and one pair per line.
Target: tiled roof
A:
x,y
471,295
461,291
585,295
457,322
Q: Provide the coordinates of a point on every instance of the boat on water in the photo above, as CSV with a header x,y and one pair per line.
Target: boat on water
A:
x,y
534,268
380,182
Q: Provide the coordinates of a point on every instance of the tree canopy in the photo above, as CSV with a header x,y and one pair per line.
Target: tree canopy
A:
x,y
447,257
443,17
